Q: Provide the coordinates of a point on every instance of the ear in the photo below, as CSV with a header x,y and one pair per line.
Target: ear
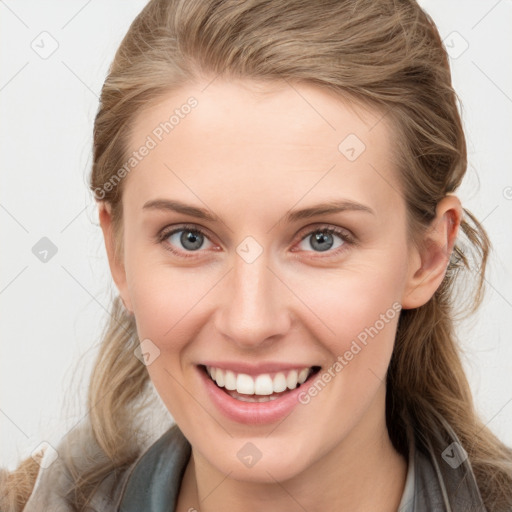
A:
x,y
427,265
115,262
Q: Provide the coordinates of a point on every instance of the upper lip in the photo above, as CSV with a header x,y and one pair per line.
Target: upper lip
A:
x,y
257,369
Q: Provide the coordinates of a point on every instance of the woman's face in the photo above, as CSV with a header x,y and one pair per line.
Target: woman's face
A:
x,y
265,288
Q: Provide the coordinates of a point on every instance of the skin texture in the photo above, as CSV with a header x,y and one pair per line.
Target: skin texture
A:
x,y
249,153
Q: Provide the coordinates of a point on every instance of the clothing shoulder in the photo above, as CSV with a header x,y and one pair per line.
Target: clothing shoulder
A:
x,y
444,476
156,477
76,454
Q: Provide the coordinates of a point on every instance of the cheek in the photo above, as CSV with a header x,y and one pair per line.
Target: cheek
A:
x,y
342,304
167,301
361,311
346,303
159,300
166,304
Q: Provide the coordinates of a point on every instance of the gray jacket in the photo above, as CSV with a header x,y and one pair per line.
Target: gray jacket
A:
x,y
436,481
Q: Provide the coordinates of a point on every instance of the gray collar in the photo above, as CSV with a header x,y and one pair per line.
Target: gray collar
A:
x,y
154,481
439,475
440,480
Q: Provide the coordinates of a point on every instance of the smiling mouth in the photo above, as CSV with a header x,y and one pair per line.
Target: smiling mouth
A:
x,y
260,388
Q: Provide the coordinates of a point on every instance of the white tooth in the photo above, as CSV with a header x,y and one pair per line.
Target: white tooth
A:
x,y
279,383
219,377
254,398
247,399
245,384
263,385
230,380
303,375
291,379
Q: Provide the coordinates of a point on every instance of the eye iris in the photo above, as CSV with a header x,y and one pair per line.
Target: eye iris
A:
x,y
193,238
321,238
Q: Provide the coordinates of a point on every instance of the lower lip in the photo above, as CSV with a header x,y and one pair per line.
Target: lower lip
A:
x,y
251,413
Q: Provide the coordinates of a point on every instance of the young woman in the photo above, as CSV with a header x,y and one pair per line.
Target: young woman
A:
x,y
275,184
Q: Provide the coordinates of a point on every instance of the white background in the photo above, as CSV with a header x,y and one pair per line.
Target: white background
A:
x,y
52,313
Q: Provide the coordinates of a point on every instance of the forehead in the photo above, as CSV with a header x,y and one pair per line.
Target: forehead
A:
x,y
251,139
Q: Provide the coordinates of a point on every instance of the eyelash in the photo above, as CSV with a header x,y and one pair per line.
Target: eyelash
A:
x,y
347,239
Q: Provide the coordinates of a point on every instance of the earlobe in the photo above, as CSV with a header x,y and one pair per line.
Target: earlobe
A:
x,y
117,268
428,265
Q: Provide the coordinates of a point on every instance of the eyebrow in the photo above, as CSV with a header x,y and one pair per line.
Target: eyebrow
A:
x,y
335,206
179,207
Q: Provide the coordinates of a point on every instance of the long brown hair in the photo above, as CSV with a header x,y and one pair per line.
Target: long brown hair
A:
x,y
387,54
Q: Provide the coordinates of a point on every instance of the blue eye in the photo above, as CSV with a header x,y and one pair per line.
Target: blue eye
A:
x,y
323,239
186,240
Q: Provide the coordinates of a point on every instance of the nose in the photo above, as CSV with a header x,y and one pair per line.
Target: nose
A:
x,y
254,311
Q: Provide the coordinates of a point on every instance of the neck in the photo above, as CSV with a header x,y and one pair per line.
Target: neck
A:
x,y
363,472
